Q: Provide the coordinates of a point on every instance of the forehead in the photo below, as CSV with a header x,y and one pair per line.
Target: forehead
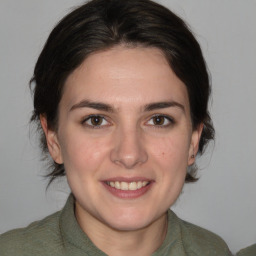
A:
x,y
123,75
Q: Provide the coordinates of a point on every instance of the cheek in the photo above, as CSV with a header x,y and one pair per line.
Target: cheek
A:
x,y
171,151
169,158
173,148
82,153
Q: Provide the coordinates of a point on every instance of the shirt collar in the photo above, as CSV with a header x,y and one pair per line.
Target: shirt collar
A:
x,y
73,234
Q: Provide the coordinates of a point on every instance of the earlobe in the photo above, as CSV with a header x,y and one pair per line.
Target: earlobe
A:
x,y
194,145
52,141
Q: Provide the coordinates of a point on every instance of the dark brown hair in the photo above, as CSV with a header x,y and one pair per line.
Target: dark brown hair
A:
x,y
102,24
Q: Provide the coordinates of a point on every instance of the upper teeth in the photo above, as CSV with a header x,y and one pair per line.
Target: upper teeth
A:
x,y
127,185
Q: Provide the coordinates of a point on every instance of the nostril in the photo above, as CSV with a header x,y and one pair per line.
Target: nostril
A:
x,y
128,149
129,160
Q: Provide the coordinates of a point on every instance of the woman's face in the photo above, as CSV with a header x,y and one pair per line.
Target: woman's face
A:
x,y
125,137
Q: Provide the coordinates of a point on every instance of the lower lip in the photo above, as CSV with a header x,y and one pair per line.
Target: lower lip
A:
x,y
128,194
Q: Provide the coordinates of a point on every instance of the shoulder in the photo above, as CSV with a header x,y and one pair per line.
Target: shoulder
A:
x,y
44,234
199,241
249,251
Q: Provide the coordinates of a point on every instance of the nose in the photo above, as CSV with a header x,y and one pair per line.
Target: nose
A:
x,y
128,150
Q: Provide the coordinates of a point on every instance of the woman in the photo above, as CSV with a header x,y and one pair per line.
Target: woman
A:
x,y
121,94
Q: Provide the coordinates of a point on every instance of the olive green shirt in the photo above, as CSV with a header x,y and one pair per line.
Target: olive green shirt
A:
x,y
249,251
60,234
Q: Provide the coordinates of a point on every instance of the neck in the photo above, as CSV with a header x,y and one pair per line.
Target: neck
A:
x,y
115,242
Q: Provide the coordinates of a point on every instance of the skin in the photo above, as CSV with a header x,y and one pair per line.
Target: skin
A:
x,y
128,143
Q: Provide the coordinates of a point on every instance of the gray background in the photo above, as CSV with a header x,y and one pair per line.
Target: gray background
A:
x,y
224,198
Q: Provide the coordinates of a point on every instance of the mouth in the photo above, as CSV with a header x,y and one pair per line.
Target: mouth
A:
x,y
128,189
125,186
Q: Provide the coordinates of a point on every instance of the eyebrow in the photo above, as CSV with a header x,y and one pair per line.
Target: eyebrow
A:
x,y
108,108
161,105
94,105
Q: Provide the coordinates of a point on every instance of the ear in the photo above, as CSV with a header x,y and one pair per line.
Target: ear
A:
x,y
194,145
52,141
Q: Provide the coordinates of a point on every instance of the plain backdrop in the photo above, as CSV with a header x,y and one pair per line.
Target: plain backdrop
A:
x,y
223,200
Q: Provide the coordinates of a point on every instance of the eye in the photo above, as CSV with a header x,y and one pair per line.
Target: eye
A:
x,y
95,121
160,120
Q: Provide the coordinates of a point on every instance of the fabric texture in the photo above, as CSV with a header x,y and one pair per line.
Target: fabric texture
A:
x,y
59,234
249,251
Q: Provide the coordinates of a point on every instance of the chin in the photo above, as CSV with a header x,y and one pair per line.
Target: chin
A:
x,y
131,220
128,225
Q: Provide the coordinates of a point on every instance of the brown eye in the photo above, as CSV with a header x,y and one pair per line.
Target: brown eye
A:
x,y
95,121
159,120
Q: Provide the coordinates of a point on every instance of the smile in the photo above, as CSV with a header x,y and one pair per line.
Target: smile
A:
x,y
122,185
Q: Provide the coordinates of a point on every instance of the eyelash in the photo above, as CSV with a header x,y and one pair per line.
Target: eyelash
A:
x,y
90,117
169,119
